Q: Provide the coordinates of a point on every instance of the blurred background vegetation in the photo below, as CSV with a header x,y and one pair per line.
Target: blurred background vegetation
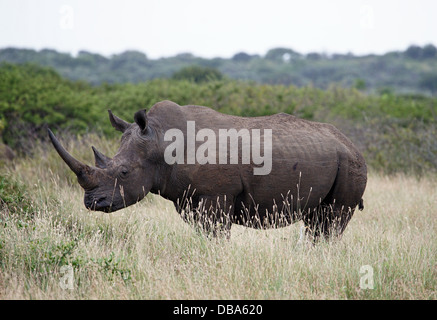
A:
x,y
410,71
386,104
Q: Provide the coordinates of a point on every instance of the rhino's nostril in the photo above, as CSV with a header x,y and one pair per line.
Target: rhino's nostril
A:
x,y
101,199
96,202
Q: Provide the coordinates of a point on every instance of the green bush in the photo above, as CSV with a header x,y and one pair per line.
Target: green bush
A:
x,y
13,196
32,97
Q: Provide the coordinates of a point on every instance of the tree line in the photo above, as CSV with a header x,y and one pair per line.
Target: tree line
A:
x,y
413,70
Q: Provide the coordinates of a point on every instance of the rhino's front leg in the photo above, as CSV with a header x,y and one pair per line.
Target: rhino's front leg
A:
x,y
215,214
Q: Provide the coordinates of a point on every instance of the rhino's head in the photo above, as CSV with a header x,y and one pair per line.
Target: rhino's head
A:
x,y
116,183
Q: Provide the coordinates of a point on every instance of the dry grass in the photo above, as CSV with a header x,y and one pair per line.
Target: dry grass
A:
x,y
147,252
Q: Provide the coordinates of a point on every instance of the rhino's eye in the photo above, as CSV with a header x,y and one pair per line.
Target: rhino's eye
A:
x,y
123,172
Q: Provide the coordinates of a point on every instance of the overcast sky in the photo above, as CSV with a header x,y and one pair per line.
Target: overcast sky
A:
x,y
219,28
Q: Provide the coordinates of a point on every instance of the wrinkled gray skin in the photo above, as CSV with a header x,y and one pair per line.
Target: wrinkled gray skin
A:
x,y
317,175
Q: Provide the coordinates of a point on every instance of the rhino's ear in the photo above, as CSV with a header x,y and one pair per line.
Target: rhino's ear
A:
x,y
141,120
117,123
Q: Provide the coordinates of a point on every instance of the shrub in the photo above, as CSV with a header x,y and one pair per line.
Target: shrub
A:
x,y
13,196
198,74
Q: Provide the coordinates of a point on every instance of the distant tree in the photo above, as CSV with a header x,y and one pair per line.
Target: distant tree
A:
x,y
92,56
186,56
242,57
131,61
198,74
429,82
340,56
360,84
414,52
15,55
282,54
89,59
429,52
49,52
314,56
393,54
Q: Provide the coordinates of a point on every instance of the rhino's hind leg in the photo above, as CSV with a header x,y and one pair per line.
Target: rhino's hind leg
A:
x,y
328,221
336,210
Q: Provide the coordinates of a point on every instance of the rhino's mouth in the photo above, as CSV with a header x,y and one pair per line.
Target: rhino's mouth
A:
x,y
101,204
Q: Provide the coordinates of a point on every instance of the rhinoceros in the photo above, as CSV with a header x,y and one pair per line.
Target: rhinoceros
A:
x,y
312,172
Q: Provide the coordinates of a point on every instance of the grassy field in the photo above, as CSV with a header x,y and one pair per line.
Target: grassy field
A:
x,y
388,251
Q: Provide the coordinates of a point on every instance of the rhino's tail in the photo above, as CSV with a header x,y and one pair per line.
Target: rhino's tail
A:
x,y
361,205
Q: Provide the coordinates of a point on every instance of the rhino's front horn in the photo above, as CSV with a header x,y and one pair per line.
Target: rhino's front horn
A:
x,y
82,171
100,159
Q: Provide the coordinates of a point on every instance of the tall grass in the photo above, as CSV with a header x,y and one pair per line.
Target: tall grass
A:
x,y
146,251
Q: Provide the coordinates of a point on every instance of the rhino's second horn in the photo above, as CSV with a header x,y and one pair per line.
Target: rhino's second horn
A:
x,y
100,159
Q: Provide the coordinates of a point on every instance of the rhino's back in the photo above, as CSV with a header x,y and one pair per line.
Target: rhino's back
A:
x,y
172,115
291,136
